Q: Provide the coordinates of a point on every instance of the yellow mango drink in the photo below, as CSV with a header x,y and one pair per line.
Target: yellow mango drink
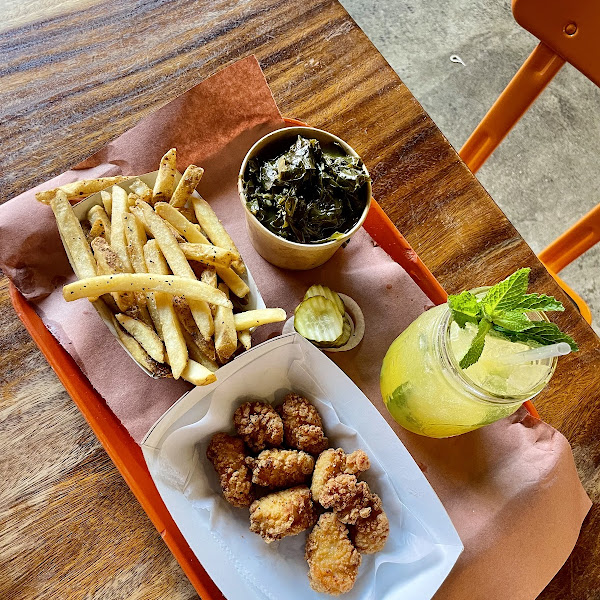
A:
x,y
457,367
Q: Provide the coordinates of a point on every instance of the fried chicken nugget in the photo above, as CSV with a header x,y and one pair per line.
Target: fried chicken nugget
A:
x,y
332,559
302,425
334,462
370,535
228,456
281,468
259,425
357,462
283,513
350,499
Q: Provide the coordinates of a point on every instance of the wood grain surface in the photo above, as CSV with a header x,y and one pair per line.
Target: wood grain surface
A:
x,y
75,76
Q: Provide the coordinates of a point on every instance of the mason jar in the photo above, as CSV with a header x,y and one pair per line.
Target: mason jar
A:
x,y
427,392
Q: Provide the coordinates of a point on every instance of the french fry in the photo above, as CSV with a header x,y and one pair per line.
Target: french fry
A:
x,y
138,353
208,254
144,335
196,354
135,236
197,374
132,199
189,214
233,281
97,213
167,324
144,282
79,189
107,259
106,201
186,186
140,311
192,234
179,266
110,303
109,263
155,315
245,338
180,239
97,230
139,213
226,339
165,180
254,318
166,242
118,241
177,352
81,256
137,186
155,261
190,231
209,276
215,231
186,318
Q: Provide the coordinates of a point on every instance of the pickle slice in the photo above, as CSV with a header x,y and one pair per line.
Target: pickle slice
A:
x,y
318,319
321,290
343,339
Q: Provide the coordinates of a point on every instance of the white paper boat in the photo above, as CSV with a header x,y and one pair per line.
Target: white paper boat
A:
x,y
423,544
81,209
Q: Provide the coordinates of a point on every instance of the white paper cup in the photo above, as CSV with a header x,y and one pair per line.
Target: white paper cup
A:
x,y
276,250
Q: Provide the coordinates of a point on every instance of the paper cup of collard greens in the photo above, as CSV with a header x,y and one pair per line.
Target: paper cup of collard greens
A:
x,y
305,192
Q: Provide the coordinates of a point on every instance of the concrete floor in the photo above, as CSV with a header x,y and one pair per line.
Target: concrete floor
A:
x,y
545,174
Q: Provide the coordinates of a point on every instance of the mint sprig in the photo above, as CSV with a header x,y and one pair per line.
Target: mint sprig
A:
x,y
502,311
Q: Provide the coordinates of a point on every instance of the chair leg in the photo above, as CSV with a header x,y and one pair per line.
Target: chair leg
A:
x,y
565,249
531,79
573,243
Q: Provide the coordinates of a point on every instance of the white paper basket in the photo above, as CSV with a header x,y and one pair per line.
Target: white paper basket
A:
x,y
423,544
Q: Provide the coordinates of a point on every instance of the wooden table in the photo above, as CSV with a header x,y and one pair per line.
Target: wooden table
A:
x,y
78,74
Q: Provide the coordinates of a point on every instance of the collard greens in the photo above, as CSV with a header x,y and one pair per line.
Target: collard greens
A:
x,y
307,194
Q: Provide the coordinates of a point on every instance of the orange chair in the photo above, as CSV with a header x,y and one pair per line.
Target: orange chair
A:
x,y
568,30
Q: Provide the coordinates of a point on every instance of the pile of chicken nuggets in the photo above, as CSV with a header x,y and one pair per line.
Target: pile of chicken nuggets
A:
x,y
271,468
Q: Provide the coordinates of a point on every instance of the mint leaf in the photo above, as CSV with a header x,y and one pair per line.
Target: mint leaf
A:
x,y
507,294
541,333
465,308
462,319
512,319
538,302
464,302
474,352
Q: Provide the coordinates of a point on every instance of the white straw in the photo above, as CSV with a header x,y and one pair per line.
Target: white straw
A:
x,y
534,354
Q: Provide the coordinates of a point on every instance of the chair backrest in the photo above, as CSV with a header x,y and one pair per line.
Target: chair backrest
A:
x,y
571,28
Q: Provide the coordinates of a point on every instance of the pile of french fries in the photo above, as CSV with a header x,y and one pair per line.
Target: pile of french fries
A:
x,y
159,265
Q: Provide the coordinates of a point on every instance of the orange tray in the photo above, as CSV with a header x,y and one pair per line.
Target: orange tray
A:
x,y
120,446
